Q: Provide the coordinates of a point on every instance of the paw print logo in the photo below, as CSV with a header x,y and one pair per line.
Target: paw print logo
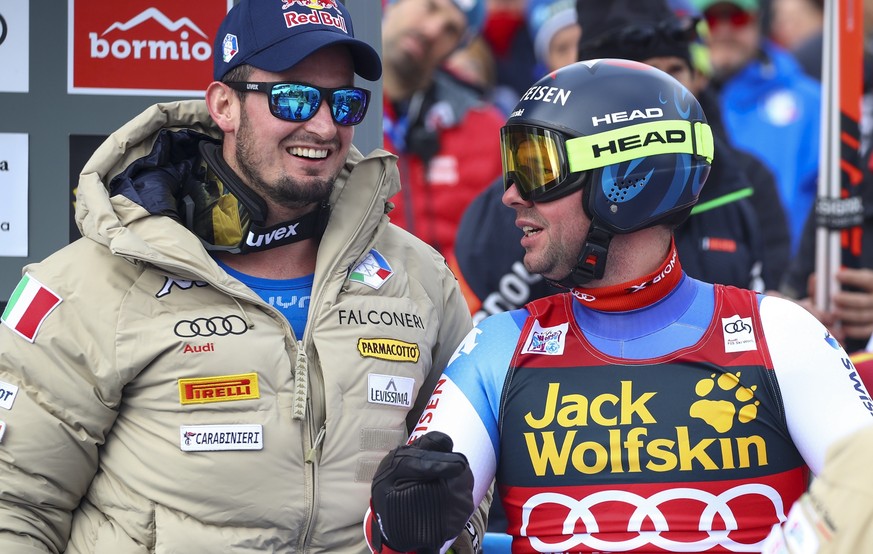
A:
x,y
721,414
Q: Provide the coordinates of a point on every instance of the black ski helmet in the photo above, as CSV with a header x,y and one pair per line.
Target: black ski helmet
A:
x,y
632,135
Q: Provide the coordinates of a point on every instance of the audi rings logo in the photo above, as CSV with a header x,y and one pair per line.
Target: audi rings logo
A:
x,y
4,29
715,510
211,327
737,326
583,296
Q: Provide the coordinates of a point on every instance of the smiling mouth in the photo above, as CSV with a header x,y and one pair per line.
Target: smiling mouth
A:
x,y
312,153
530,231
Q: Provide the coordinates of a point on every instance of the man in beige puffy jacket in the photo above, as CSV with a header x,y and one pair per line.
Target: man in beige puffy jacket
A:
x,y
241,335
835,516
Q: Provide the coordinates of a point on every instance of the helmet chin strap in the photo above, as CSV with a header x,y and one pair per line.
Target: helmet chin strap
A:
x,y
592,260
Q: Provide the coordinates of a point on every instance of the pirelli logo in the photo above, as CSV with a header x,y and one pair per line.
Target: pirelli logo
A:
x,y
223,388
388,349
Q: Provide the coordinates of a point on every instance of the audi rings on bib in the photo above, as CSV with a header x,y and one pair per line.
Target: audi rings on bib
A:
x,y
647,509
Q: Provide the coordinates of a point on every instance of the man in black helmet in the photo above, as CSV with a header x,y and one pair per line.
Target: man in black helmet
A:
x,y
642,410
737,234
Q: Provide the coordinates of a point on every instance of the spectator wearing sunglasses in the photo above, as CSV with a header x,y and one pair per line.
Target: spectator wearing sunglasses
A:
x,y
770,107
441,128
642,410
241,335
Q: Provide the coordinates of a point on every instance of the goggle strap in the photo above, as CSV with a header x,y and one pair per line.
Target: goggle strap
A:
x,y
640,141
703,146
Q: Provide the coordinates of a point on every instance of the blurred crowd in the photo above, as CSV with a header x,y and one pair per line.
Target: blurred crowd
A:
x,y
455,68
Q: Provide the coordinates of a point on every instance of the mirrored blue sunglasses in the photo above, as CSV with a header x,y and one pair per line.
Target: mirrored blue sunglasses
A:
x,y
300,101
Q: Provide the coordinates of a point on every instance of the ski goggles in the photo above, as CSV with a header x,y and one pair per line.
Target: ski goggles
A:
x,y
300,101
540,162
534,159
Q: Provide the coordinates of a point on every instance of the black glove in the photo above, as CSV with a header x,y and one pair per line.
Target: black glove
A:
x,y
422,495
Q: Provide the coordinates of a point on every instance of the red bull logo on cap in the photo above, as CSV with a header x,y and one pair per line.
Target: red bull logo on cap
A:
x,y
314,4
314,15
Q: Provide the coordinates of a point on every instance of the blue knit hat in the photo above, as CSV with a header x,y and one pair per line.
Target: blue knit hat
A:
x,y
274,36
544,19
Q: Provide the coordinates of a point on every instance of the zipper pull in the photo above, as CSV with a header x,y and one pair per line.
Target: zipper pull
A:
x,y
310,458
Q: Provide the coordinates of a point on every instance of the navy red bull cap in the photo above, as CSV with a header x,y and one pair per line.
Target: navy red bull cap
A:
x,y
275,35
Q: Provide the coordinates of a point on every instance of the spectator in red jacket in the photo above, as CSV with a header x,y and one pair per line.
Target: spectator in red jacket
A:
x,y
445,134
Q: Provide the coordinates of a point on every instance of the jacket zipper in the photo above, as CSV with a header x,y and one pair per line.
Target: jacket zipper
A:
x,y
316,443
301,369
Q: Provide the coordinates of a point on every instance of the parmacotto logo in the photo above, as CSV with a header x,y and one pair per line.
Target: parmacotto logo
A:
x,y
392,350
142,46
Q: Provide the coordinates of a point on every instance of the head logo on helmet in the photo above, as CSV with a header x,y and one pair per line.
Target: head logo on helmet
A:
x,y
632,135
616,117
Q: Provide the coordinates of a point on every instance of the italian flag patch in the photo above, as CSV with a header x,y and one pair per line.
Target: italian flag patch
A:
x,y
30,304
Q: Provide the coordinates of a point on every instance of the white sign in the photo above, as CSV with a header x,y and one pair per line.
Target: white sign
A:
x,y
13,191
14,45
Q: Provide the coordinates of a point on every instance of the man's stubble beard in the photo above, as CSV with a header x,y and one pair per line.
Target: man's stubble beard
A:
x,y
288,191
405,69
553,262
557,258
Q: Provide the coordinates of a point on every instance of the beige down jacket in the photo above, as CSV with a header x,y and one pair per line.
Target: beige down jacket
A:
x,y
164,407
